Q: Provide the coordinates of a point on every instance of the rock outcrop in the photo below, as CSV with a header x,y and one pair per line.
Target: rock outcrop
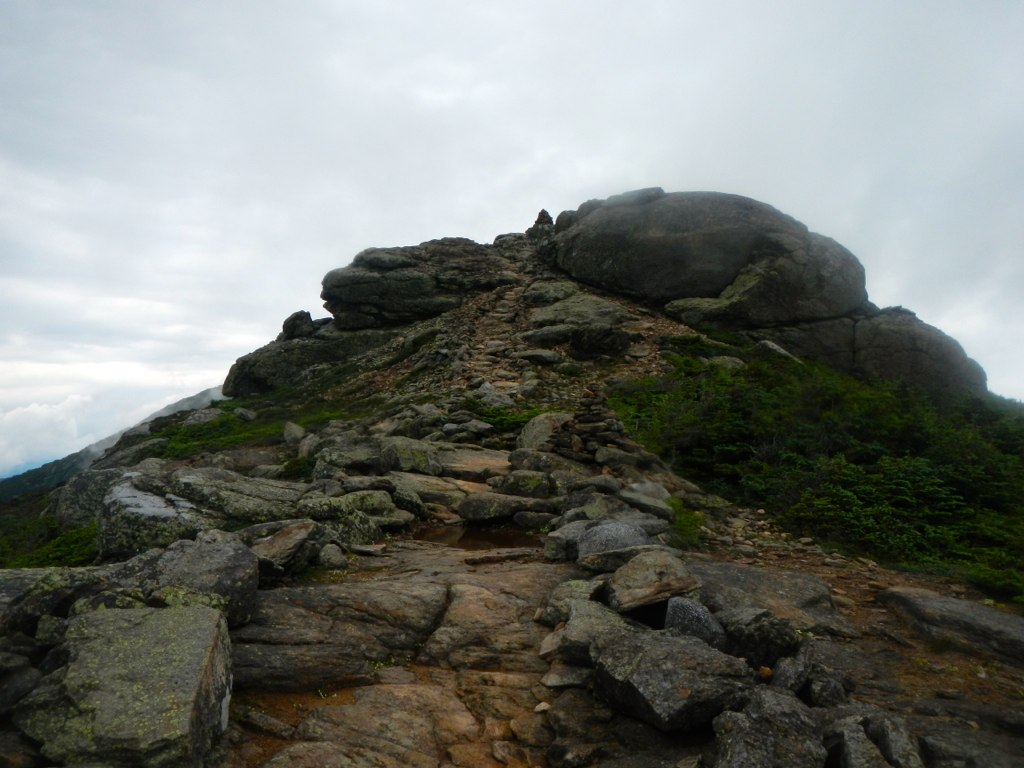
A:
x,y
393,286
755,263
716,260
142,686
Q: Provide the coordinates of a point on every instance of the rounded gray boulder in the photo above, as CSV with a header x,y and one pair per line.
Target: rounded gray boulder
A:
x,y
610,536
694,619
661,246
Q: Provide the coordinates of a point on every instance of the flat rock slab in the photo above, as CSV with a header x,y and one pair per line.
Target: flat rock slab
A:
x,y
395,724
961,623
143,686
304,637
424,601
486,627
475,673
803,599
468,463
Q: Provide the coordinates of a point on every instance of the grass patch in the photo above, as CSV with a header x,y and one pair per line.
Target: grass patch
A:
x,y
222,433
686,525
502,419
73,547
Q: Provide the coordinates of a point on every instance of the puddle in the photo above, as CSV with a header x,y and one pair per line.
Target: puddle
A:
x,y
464,537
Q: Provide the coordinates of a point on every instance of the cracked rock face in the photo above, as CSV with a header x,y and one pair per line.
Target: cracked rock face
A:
x,y
392,286
97,709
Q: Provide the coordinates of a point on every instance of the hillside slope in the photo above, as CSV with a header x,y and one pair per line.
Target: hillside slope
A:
x,y
560,389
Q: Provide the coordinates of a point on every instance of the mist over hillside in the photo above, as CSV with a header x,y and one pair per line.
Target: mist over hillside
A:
x,y
53,473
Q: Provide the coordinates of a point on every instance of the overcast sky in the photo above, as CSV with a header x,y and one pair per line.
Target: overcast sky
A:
x,y
177,177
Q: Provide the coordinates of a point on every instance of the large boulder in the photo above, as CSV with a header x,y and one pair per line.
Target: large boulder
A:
x,y
669,681
131,519
971,626
142,687
691,618
611,535
232,497
803,599
775,730
650,577
486,507
288,360
896,344
216,568
748,256
392,286
891,344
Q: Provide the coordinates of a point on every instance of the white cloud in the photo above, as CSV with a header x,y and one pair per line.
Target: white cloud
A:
x,y
30,433
175,178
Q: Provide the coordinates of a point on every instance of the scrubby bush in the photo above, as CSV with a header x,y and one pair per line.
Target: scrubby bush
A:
x,y
874,468
686,524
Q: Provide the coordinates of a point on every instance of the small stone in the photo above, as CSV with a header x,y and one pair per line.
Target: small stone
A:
x,y
551,644
562,675
843,602
331,556
539,356
293,433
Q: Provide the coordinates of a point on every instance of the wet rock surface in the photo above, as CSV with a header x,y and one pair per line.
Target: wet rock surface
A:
x,y
423,637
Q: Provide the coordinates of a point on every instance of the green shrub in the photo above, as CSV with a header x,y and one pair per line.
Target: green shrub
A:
x,y
874,468
502,419
222,433
73,547
298,468
686,525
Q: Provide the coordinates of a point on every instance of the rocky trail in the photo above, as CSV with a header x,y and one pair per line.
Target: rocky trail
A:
x,y
453,674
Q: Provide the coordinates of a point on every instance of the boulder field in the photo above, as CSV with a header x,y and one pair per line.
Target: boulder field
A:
x,y
475,564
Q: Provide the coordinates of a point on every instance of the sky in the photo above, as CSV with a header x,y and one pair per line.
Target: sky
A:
x,y
177,177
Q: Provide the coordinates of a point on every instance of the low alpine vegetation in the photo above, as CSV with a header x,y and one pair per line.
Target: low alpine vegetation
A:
x,y
877,469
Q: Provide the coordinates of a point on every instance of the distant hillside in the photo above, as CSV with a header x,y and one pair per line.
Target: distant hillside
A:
x,y
53,473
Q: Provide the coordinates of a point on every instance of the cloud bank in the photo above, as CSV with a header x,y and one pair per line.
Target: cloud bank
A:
x,y
175,178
